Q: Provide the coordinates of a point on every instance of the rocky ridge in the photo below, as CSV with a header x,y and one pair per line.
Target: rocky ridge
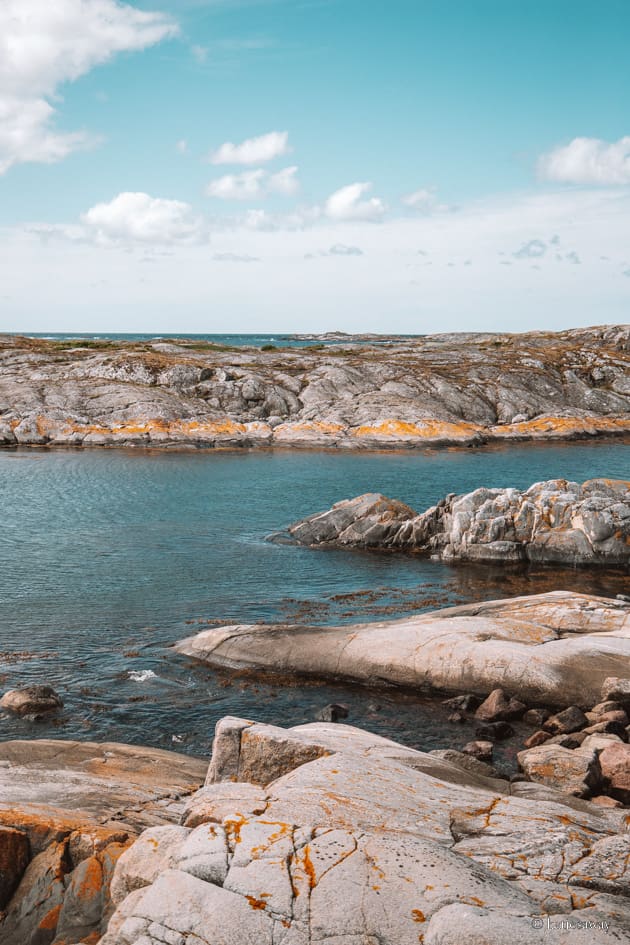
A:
x,y
465,389
551,522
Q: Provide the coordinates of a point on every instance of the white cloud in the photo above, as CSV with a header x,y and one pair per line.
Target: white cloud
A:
x,y
588,161
245,186
284,182
254,185
44,44
138,217
532,249
92,287
253,150
182,146
346,204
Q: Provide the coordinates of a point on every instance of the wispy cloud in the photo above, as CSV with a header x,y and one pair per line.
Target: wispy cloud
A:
x,y
257,150
254,185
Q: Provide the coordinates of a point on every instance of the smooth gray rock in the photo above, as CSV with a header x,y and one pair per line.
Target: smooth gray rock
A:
x,y
544,649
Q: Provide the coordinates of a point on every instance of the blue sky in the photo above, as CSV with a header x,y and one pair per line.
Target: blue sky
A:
x,y
412,165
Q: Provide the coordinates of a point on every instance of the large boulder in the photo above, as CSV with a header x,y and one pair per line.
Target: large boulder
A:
x,y
551,522
546,649
372,842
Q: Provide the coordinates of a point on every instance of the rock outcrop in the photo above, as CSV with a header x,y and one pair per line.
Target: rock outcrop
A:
x,y
547,649
352,839
551,522
68,811
444,389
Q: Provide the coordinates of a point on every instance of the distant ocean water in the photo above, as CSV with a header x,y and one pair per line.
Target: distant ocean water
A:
x,y
236,340
109,557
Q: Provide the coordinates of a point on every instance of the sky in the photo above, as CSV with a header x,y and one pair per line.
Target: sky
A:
x,y
313,165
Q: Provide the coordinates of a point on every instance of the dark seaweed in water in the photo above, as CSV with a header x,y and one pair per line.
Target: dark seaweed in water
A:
x,y
108,557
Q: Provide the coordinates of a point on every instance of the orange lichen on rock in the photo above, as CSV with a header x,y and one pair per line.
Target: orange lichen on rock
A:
x,y
420,429
50,920
562,426
258,903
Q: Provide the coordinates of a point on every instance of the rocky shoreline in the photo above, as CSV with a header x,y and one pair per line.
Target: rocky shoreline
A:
x,y
327,833
320,832
462,390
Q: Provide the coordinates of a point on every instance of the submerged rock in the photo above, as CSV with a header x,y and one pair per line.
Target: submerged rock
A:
x,y
556,521
546,649
370,841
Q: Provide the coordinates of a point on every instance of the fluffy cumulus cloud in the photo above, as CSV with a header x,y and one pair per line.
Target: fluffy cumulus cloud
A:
x,y
588,161
254,185
349,203
253,150
138,217
44,44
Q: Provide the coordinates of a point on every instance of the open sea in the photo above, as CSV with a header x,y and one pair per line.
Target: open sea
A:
x,y
107,557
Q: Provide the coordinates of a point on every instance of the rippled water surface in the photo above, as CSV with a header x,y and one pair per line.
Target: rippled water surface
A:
x,y
108,557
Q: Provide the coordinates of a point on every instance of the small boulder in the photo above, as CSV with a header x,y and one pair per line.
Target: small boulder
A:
x,y
615,715
494,731
574,740
332,712
616,689
602,800
536,717
538,738
456,717
573,772
466,761
480,750
603,707
31,700
567,721
615,765
608,728
497,707
599,742
465,703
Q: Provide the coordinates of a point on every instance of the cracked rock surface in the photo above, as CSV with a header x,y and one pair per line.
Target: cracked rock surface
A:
x,y
545,649
367,842
463,389
553,522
